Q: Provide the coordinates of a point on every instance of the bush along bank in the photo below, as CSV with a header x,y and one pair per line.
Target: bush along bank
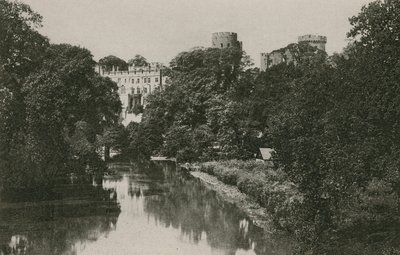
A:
x,y
267,186
357,230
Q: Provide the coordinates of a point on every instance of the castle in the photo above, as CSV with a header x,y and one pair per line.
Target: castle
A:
x,y
284,55
224,40
138,82
318,41
134,86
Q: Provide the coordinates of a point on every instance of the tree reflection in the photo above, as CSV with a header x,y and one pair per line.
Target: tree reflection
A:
x,y
82,214
188,205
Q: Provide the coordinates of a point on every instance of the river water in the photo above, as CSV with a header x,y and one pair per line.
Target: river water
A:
x,y
138,210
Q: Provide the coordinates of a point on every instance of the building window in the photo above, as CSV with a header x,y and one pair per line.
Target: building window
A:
x,y
145,90
138,90
125,80
222,45
133,81
123,90
229,44
138,80
119,79
156,79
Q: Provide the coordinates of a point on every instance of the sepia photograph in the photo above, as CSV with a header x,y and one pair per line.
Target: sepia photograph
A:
x,y
199,127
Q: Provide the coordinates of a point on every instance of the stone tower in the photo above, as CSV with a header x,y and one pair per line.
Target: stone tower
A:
x,y
318,41
225,40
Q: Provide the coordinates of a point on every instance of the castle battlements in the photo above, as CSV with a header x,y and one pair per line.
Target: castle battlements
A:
x,y
278,56
318,41
139,72
225,40
134,86
313,38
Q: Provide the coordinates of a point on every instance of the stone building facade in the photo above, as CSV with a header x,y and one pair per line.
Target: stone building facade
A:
x,y
318,41
276,57
134,86
224,40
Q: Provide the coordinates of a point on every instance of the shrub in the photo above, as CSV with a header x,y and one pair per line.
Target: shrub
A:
x,y
267,186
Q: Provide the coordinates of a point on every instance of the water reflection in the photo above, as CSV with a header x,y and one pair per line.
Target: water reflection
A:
x,y
161,212
81,212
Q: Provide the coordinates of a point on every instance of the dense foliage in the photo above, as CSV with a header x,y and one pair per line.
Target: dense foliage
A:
x,y
269,187
138,60
110,62
333,122
54,107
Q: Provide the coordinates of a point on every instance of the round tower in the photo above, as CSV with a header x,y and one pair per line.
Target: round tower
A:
x,y
225,40
318,41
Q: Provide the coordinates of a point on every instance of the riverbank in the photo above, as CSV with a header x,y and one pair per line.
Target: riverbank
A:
x,y
264,193
233,195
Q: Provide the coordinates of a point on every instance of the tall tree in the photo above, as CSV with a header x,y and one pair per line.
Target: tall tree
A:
x,y
21,52
138,61
110,62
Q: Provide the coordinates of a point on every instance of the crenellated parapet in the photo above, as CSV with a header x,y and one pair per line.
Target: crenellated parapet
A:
x,y
134,86
138,71
318,41
225,40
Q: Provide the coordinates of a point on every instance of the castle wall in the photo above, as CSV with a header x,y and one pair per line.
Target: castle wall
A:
x,y
224,40
134,86
275,58
314,40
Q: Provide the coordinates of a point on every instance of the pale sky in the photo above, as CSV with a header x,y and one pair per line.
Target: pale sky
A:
x,y
160,29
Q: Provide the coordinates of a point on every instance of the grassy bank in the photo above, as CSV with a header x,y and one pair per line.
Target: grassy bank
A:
x,y
269,187
365,223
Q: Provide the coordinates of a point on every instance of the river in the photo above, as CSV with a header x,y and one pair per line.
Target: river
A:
x,y
138,210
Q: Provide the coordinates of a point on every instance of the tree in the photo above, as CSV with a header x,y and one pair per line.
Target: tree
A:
x,y
138,61
21,45
110,62
21,52
335,133
196,78
114,137
66,106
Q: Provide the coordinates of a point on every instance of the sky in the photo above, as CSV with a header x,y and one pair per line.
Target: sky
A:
x,y
160,29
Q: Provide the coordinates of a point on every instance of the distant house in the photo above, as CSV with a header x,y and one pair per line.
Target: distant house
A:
x,y
265,154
